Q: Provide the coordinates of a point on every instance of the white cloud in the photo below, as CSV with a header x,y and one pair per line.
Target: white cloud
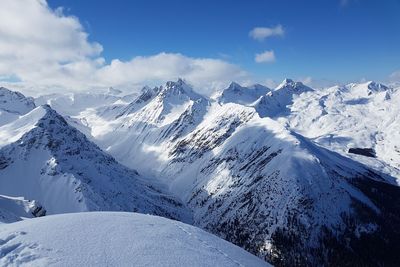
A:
x,y
261,33
265,57
45,49
30,30
395,76
271,83
307,81
317,83
205,73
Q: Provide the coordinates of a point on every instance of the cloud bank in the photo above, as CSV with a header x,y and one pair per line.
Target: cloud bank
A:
x,y
48,50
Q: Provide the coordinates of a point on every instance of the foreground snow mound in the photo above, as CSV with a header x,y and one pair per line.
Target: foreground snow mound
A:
x,y
54,163
115,239
14,209
13,104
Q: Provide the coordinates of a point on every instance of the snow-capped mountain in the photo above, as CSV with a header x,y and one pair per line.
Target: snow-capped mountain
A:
x,y
146,95
115,239
354,116
169,102
13,104
242,95
294,175
276,102
44,158
252,179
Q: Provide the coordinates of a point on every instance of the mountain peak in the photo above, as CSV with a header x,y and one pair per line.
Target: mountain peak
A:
x,y
178,88
244,95
374,86
234,85
179,83
15,102
298,87
286,82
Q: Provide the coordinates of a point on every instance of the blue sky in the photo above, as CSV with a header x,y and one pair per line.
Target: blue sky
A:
x,y
85,45
328,39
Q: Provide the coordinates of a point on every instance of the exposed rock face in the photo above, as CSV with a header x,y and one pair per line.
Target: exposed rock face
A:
x,y
368,152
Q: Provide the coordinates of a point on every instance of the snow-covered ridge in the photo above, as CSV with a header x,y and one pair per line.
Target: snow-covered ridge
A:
x,y
54,163
115,239
13,104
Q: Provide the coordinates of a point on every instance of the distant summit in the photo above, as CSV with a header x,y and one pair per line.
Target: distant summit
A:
x,y
113,91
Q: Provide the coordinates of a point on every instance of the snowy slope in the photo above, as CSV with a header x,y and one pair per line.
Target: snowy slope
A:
x,y
173,112
353,116
43,158
14,209
253,181
13,104
146,95
115,239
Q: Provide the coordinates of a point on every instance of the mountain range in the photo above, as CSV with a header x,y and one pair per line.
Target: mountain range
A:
x,y
294,175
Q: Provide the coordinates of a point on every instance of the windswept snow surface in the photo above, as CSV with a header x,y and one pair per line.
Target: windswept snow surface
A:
x,y
115,239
